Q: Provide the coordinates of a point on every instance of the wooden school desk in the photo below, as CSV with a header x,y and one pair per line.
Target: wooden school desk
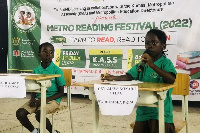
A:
x,y
44,81
148,94
38,83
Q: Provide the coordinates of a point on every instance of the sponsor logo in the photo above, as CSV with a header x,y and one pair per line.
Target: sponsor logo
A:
x,y
16,53
194,84
16,41
58,39
24,17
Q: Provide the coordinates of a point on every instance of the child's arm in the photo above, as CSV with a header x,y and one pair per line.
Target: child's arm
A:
x,y
166,76
59,94
32,101
109,77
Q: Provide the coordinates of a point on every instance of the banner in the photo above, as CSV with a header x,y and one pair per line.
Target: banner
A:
x,y
91,36
106,58
24,35
70,58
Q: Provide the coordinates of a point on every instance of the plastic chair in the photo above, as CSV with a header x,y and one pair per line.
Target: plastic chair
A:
x,y
68,79
183,82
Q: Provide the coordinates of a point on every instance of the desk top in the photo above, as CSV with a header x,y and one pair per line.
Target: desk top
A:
x,y
32,76
41,76
147,86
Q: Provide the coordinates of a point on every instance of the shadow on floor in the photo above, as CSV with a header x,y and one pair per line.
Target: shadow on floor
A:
x,y
190,103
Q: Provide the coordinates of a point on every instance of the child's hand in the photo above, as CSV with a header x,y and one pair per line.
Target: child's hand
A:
x,y
38,103
146,58
107,77
35,103
32,103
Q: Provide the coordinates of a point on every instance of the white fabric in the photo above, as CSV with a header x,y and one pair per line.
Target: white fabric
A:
x,y
35,131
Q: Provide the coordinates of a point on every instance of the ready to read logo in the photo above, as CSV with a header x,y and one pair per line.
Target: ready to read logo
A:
x,y
194,84
16,53
24,53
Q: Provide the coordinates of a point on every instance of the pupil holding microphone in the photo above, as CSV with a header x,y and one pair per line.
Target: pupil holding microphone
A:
x,y
143,60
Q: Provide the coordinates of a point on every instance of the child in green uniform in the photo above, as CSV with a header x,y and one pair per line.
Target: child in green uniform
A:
x,y
53,94
158,68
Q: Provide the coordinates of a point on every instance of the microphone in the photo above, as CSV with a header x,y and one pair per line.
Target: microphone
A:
x,y
142,62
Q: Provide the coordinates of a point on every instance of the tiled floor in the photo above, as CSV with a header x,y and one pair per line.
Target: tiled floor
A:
x,y
82,118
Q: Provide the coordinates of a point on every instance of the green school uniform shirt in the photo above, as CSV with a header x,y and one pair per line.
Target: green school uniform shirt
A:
x,y
149,75
55,82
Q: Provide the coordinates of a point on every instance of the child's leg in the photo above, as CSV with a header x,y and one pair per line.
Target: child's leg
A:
x,y
141,127
21,115
169,128
50,107
152,126
48,123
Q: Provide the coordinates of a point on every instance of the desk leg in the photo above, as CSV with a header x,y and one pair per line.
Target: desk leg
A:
x,y
162,96
43,110
68,96
161,116
95,109
44,85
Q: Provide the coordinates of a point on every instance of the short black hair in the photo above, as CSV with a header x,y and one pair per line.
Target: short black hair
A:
x,y
23,12
29,13
160,34
45,44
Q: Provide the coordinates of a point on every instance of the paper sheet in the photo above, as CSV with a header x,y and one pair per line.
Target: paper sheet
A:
x,y
116,100
12,86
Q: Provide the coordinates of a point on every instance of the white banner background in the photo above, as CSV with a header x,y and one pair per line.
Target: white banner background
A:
x,y
128,22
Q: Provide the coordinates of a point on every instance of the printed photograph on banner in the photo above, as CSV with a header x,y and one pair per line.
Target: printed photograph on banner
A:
x,y
70,58
134,57
106,58
189,63
24,17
